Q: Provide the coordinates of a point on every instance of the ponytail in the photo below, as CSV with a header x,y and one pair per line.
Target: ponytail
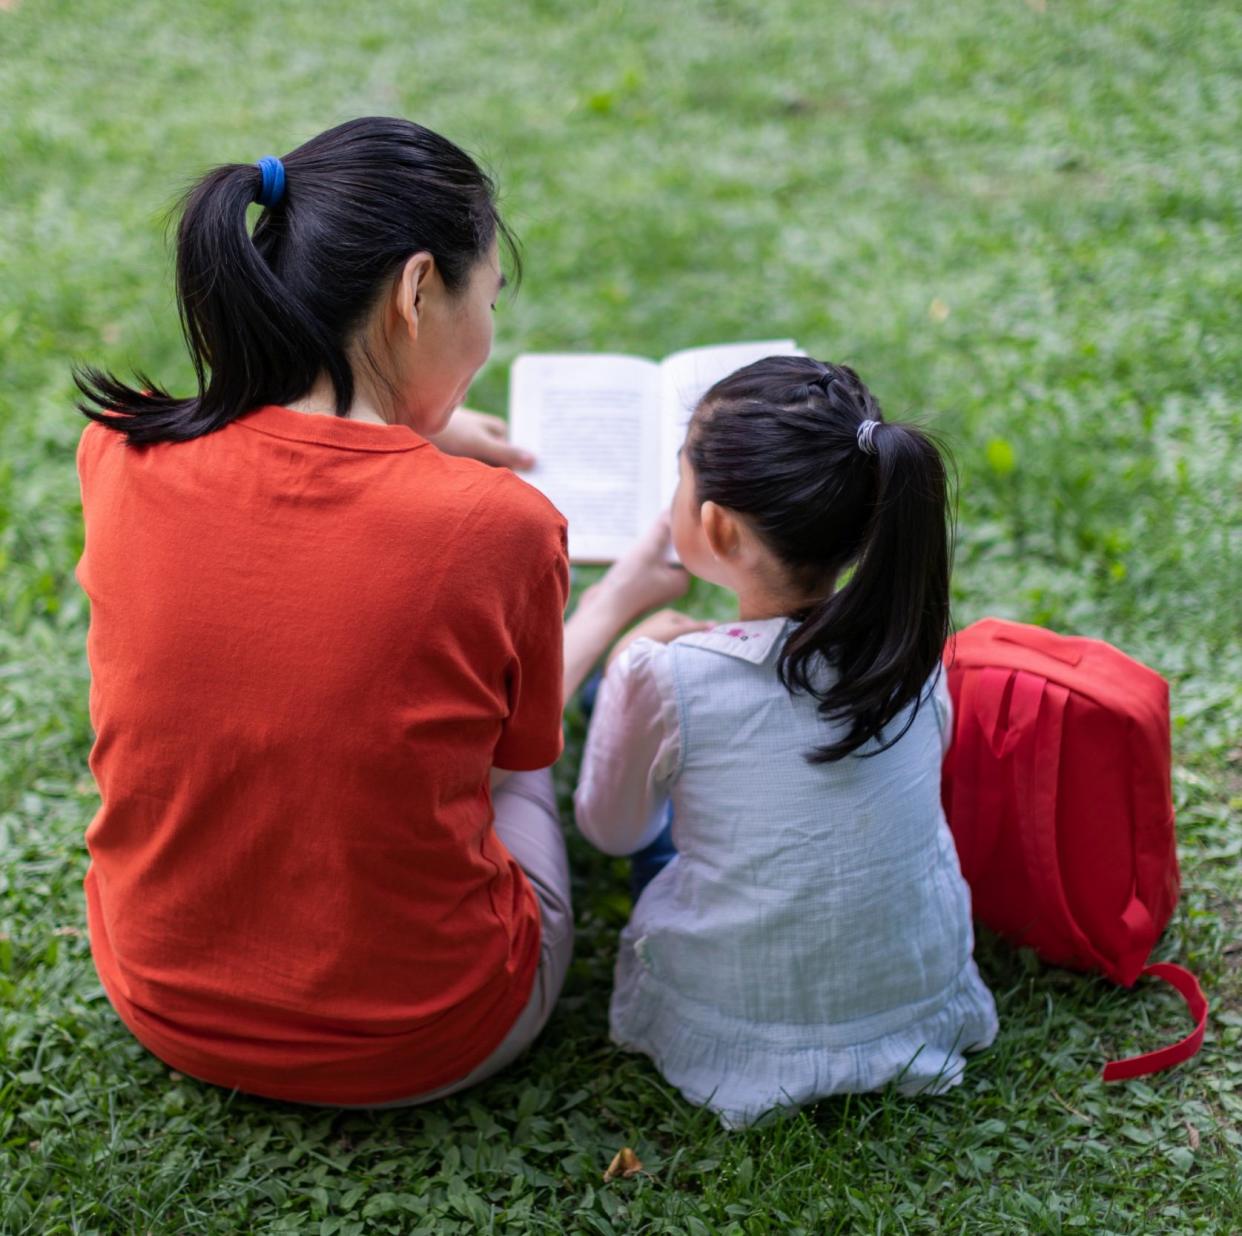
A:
x,y
786,443
885,630
264,315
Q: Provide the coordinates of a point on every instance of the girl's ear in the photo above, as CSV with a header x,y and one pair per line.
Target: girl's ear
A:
x,y
720,529
411,289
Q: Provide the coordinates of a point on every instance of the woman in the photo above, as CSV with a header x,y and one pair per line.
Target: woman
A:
x,y
326,653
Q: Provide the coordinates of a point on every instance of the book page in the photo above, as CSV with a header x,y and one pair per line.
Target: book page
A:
x,y
685,377
592,421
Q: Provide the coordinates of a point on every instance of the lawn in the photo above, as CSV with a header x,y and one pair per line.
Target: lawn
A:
x,y
1019,219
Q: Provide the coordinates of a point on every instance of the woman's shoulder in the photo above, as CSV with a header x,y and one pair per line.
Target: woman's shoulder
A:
x,y
491,509
94,443
503,493
521,516
95,435
522,500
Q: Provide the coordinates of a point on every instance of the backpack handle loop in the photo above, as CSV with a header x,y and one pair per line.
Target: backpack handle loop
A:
x,y
1188,988
1062,648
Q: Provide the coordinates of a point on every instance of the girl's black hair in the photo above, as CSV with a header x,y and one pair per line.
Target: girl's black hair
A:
x,y
264,315
778,442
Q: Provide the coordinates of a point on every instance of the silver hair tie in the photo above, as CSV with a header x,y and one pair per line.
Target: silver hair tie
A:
x,y
866,431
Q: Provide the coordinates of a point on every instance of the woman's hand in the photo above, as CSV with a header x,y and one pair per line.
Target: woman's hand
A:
x,y
665,625
478,435
642,577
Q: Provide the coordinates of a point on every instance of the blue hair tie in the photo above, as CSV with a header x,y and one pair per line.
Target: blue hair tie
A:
x,y
273,188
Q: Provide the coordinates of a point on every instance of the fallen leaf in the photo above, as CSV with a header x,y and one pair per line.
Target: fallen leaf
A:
x,y
1192,1136
937,310
625,1163
173,1075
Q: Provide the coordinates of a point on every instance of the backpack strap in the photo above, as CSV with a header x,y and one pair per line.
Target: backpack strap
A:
x,y
1036,712
978,802
1166,1057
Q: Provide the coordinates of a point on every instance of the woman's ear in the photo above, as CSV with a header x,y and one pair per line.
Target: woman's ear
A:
x,y
720,529
410,290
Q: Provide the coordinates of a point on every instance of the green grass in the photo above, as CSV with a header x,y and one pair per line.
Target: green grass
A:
x,y
1061,177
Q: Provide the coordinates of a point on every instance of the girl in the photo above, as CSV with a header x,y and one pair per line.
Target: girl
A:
x,y
811,933
318,634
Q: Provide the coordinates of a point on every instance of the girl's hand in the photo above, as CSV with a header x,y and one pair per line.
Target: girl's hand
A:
x,y
664,625
638,581
480,436
642,577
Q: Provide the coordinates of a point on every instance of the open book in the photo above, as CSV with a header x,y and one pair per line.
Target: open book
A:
x,y
605,430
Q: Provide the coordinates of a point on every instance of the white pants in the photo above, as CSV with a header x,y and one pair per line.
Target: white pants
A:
x,y
528,824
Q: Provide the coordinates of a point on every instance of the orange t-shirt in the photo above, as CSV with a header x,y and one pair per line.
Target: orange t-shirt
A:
x,y
310,640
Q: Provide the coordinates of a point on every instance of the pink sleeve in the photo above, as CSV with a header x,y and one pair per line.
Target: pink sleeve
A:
x,y
632,754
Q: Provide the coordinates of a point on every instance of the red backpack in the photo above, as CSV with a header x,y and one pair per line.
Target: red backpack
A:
x,y
1057,789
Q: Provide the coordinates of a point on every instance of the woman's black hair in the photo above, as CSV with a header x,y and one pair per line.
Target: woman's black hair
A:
x,y
265,315
779,443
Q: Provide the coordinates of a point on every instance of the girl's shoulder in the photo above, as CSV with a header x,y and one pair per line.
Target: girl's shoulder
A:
x,y
643,660
756,640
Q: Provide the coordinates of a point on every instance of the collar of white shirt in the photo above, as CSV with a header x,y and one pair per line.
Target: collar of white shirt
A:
x,y
749,641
